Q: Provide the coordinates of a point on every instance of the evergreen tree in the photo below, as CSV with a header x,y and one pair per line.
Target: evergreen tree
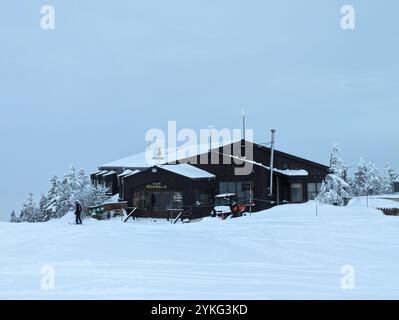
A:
x,y
375,180
29,210
360,178
388,178
13,217
44,213
53,200
335,189
368,180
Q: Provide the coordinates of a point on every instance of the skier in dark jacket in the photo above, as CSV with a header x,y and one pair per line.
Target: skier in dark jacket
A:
x,y
78,213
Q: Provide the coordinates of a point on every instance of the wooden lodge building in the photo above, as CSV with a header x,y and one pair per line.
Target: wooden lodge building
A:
x,y
163,188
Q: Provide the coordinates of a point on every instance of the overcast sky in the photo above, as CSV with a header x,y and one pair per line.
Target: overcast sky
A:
x,y
86,92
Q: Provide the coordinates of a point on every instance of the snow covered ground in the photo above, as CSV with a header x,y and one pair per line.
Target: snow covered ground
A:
x,y
284,253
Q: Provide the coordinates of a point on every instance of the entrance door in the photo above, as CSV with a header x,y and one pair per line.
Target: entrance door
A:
x,y
154,201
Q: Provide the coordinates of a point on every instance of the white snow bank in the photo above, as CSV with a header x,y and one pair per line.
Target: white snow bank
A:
x,y
375,202
284,253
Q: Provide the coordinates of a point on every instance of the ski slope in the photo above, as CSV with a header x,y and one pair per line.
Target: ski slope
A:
x,y
284,253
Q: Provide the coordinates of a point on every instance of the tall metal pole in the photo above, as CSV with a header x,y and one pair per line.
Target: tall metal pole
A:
x,y
273,131
250,200
243,124
210,128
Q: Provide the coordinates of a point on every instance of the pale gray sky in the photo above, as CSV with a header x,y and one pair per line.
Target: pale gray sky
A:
x,y
86,92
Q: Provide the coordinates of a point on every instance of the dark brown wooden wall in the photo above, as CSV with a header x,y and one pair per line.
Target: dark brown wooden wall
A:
x,y
259,176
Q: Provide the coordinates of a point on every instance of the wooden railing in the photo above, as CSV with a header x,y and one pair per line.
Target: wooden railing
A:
x,y
390,211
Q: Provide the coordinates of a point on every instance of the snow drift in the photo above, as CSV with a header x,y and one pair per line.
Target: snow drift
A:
x,y
284,253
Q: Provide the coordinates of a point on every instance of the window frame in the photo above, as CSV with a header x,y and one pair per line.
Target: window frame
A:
x,y
292,192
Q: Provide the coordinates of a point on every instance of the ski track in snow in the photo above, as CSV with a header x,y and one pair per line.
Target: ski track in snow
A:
x,y
283,253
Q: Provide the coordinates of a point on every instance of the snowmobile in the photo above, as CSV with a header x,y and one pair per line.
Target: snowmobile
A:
x,y
227,205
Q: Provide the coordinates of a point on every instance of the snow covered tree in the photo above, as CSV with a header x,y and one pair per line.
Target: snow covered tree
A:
x,y
368,180
53,198
62,196
376,186
29,210
391,173
13,217
335,189
65,191
388,178
336,163
44,212
360,178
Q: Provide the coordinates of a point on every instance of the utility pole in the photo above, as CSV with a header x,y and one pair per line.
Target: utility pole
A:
x,y
209,157
273,131
250,200
210,128
243,124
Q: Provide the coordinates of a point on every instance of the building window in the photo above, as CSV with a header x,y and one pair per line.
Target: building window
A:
x,y
241,189
108,185
203,197
313,190
139,200
227,187
296,192
156,201
244,192
285,166
174,200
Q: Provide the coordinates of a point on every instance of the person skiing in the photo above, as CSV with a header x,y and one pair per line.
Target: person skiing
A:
x,y
78,213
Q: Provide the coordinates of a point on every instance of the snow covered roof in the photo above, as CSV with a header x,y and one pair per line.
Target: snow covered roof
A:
x,y
143,160
101,172
286,172
113,199
188,171
125,173
110,173
293,173
225,195
158,156
133,172
135,161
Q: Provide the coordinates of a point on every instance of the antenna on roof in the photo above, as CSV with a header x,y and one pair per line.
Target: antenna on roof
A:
x,y
243,123
210,128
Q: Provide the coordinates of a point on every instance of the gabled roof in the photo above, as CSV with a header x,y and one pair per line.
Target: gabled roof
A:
x,y
109,173
131,173
185,170
125,173
143,161
188,171
102,172
132,162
